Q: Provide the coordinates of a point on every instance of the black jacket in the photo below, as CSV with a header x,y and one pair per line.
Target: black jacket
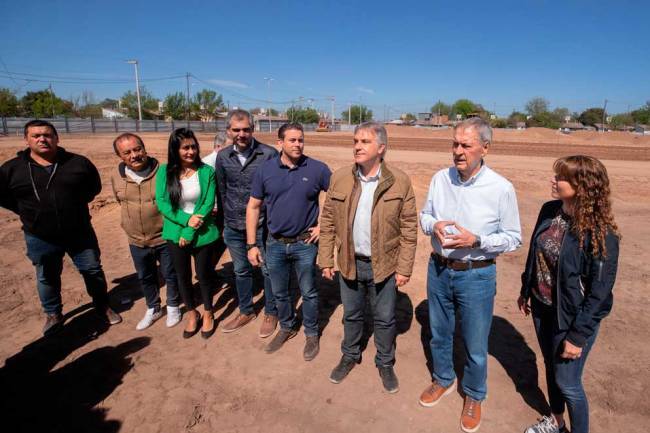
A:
x,y
583,295
53,204
234,182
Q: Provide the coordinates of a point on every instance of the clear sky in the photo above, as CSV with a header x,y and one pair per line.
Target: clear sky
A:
x,y
406,55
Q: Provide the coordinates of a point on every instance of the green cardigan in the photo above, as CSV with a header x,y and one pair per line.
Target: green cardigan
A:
x,y
175,220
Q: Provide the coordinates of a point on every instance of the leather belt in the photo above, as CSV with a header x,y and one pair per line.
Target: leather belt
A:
x,y
363,258
460,265
292,240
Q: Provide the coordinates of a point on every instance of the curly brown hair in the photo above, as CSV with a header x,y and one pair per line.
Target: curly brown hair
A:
x,y
592,207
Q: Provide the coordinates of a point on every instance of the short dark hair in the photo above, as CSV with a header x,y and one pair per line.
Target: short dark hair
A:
x,y
239,114
124,136
39,122
287,126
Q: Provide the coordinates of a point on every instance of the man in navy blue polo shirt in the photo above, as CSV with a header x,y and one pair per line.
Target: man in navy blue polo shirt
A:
x,y
289,185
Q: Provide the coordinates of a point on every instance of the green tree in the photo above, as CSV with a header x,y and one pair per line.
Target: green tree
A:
x,y
464,107
560,114
623,119
591,116
409,117
303,115
442,108
499,123
8,103
45,104
515,116
175,105
536,106
149,104
642,115
544,120
111,104
207,103
357,113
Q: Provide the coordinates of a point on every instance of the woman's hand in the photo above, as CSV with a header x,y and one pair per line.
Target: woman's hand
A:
x,y
196,221
571,351
524,305
182,242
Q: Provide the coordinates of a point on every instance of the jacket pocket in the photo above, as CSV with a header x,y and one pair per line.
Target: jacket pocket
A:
x,y
338,196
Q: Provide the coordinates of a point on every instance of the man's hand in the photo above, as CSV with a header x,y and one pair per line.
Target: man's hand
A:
x,y
524,305
400,280
439,230
570,351
315,234
182,242
196,221
328,273
255,256
464,239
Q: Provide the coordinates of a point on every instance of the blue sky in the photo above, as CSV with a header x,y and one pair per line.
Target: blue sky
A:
x,y
406,55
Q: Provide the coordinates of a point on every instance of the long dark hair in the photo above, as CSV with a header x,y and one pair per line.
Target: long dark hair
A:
x,y
174,163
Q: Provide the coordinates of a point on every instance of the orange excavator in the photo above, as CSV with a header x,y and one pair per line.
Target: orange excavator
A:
x,y
323,125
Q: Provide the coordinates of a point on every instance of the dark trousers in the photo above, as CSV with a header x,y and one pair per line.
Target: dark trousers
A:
x,y
204,271
47,257
145,260
563,376
382,297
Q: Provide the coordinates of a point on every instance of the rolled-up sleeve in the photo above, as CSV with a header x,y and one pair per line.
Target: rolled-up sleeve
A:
x,y
427,220
508,236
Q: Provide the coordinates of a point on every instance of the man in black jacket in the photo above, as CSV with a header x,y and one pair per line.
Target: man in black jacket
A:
x,y
235,168
50,188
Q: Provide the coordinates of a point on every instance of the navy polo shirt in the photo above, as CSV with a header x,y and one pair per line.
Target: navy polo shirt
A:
x,y
291,194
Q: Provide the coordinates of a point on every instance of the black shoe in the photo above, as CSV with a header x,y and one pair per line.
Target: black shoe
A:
x,y
341,371
311,347
280,338
207,334
109,316
53,324
388,378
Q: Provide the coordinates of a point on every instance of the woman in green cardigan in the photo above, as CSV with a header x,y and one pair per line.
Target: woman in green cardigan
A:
x,y
185,191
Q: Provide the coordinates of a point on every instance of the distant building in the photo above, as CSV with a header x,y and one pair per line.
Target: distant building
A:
x,y
434,121
112,114
424,117
642,129
520,125
262,122
572,126
603,127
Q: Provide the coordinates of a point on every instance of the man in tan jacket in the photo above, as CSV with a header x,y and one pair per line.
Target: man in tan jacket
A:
x,y
134,187
369,217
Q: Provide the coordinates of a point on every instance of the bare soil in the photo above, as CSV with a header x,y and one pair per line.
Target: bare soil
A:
x,y
100,379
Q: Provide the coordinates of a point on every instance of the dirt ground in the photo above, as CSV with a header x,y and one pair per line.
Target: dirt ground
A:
x,y
99,379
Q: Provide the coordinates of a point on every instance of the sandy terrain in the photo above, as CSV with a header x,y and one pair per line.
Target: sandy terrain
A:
x,y
93,378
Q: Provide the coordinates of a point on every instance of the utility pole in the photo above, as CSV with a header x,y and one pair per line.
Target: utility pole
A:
x,y
187,110
268,82
349,113
360,112
332,99
52,100
134,62
604,113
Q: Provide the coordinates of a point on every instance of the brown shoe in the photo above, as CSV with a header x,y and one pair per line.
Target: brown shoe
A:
x,y
280,338
311,347
470,419
434,393
268,325
53,324
239,321
110,316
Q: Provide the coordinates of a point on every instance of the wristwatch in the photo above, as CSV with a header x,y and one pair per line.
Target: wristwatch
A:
x,y
477,242
250,246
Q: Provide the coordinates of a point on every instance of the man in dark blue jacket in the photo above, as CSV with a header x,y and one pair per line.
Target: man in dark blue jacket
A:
x,y
235,168
50,188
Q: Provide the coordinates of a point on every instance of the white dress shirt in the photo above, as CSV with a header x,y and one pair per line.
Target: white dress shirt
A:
x,y
485,204
361,229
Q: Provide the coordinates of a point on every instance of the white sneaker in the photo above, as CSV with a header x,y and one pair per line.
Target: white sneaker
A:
x,y
173,316
545,425
149,317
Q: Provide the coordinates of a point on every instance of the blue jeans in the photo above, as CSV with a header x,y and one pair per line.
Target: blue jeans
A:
x,y
279,259
236,243
145,260
471,294
563,376
382,298
47,257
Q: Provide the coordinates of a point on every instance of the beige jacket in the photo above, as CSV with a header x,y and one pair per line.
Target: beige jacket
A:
x,y
393,224
141,219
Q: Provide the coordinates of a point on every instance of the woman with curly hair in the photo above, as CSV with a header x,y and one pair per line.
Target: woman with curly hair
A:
x,y
568,281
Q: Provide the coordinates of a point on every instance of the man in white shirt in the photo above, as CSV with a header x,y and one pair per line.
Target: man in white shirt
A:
x,y
471,215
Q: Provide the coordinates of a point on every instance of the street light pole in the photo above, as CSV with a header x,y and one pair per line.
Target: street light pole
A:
x,y
268,82
137,86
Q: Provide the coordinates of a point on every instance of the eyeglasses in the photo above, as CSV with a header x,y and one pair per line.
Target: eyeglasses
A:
x,y
238,130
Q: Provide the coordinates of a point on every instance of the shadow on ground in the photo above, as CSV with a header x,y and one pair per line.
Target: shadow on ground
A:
x,y
37,397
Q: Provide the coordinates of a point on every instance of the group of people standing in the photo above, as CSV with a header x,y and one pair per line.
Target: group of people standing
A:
x,y
263,206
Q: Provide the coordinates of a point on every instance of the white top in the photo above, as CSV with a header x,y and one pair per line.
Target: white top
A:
x,y
133,175
210,159
486,205
190,193
243,155
361,229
